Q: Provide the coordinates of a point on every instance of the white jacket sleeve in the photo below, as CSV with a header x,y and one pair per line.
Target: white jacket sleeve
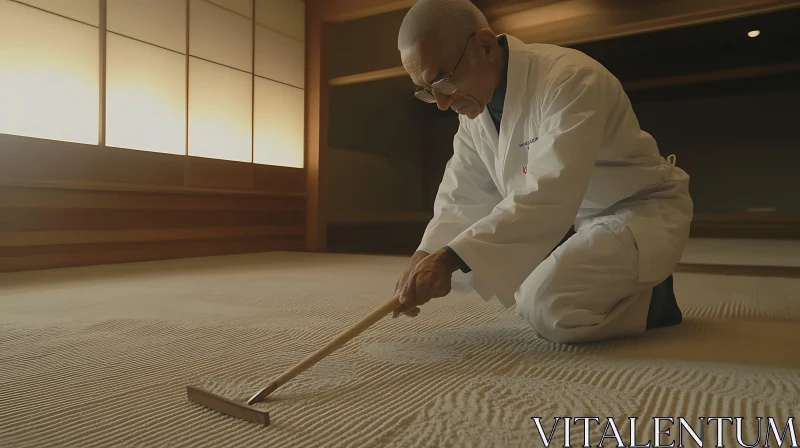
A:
x,y
503,248
466,194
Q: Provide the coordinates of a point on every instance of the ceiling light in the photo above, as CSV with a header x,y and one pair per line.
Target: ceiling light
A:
x,y
754,33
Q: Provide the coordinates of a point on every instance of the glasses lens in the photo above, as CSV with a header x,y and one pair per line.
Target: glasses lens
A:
x,y
424,95
444,87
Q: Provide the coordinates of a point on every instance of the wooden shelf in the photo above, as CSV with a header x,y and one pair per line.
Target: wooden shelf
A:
x,y
765,217
394,72
382,218
667,81
111,186
746,225
749,271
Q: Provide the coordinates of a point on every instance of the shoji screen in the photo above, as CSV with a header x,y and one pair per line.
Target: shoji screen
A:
x,y
220,79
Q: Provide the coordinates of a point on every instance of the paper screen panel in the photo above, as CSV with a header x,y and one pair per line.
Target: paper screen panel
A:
x,y
145,97
220,36
243,7
279,57
220,112
159,22
49,76
87,11
279,124
284,16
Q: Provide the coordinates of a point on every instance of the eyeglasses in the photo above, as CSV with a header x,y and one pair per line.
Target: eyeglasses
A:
x,y
442,86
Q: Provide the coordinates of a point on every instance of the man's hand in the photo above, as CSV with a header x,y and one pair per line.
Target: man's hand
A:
x,y
428,278
415,259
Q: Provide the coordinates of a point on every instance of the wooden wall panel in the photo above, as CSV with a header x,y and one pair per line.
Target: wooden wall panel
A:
x,y
38,160
210,173
32,219
279,179
34,238
20,197
44,228
57,256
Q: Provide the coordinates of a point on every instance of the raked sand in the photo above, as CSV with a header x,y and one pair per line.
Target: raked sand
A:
x,y
101,356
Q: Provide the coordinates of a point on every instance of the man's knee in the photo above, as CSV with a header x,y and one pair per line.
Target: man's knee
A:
x,y
573,292
544,310
548,323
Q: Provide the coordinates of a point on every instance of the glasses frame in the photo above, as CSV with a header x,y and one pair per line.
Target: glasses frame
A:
x,y
442,85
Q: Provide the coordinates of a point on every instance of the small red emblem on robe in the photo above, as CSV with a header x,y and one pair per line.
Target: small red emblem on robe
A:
x,y
525,169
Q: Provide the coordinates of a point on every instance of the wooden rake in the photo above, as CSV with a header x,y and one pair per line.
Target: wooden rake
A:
x,y
246,412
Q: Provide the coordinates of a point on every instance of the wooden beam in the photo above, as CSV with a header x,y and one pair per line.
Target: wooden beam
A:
x,y
576,21
493,9
376,75
59,237
14,259
28,197
740,270
28,161
747,225
571,21
630,86
121,186
316,125
769,217
343,10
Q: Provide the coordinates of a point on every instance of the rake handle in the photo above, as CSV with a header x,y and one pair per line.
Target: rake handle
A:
x,y
329,348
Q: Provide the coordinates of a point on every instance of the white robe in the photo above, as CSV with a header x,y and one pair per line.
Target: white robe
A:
x,y
569,152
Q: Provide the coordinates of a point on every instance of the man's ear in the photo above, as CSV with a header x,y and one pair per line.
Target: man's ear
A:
x,y
488,43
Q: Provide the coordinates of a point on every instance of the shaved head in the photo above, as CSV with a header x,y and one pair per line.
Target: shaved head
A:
x,y
450,41
447,21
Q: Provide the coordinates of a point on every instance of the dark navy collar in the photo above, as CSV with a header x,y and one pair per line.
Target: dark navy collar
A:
x,y
495,106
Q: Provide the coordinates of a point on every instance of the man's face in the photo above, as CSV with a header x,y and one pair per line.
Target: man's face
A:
x,y
428,61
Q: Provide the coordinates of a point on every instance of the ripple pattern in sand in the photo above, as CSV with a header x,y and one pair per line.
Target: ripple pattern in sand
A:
x,y
113,358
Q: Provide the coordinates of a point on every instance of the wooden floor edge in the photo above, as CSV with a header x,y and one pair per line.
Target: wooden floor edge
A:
x,y
740,270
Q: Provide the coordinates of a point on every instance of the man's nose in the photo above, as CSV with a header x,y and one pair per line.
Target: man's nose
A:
x,y
443,101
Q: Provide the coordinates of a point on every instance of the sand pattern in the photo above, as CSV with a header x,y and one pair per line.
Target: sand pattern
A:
x,y
100,357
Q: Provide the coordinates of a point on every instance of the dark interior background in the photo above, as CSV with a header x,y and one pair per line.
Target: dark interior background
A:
x,y
737,138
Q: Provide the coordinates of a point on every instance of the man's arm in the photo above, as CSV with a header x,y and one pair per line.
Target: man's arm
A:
x,y
466,194
505,246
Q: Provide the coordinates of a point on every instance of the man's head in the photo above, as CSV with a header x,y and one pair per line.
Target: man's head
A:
x,y
450,41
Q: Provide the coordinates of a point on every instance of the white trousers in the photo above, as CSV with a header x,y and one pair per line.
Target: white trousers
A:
x,y
588,289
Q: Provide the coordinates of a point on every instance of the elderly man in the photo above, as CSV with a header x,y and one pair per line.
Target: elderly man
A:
x,y
547,142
